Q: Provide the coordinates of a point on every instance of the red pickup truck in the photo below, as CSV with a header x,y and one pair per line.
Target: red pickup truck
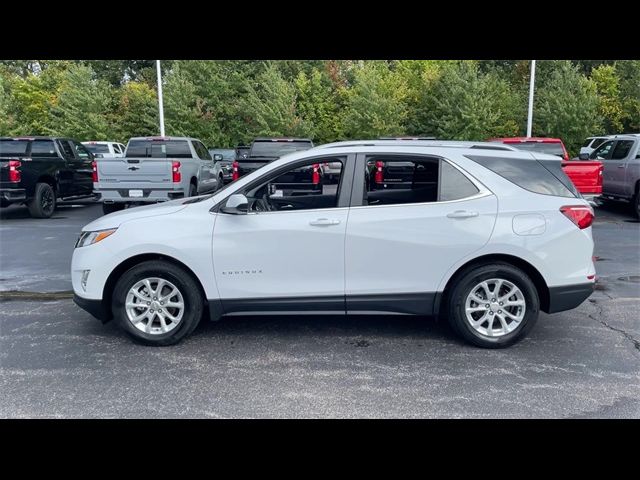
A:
x,y
586,175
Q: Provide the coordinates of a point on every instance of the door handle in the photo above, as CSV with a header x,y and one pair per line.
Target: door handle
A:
x,y
323,222
462,214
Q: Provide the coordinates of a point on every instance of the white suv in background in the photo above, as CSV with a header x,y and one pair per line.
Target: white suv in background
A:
x,y
482,236
105,149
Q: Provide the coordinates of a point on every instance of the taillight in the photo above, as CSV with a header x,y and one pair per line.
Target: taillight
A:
x,y
235,174
581,215
175,170
14,173
315,179
600,170
379,176
94,171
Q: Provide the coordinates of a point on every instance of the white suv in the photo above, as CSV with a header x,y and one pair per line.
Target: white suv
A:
x,y
480,235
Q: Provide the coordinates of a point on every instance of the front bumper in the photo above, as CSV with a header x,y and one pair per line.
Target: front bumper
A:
x,y
12,195
567,297
94,307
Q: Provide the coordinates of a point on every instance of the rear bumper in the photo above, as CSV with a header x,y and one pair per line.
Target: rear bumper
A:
x,y
567,297
94,307
149,195
11,195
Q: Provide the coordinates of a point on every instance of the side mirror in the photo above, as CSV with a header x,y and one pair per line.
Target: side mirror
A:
x,y
237,204
217,157
583,156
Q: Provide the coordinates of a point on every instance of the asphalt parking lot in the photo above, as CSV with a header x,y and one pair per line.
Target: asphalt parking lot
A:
x,y
56,361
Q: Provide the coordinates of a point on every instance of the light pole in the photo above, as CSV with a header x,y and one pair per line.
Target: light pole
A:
x,y
160,106
532,81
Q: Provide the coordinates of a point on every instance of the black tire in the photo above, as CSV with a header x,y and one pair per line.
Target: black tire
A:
x,y
193,190
220,182
43,203
636,202
462,287
188,286
108,208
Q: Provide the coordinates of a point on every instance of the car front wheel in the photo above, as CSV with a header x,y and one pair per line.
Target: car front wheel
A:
x,y
157,303
493,306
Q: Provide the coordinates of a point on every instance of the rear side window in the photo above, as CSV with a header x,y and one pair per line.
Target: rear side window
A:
x,y
531,175
621,149
159,149
453,184
43,148
13,148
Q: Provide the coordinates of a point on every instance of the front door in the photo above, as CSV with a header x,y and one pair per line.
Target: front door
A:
x,y
287,253
615,167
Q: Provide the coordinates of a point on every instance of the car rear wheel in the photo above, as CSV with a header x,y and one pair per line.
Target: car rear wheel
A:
x,y
43,203
108,208
493,306
636,202
220,183
157,303
193,190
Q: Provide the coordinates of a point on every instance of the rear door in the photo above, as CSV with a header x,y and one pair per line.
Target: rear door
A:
x,y
401,241
616,166
82,169
66,171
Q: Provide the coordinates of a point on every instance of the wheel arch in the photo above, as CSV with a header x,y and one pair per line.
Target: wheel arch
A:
x,y
118,271
533,273
46,178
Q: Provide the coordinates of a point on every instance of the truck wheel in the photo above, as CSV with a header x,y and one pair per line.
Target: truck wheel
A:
x,y
636,202
193,191
494,305
43,203
157,303
220,183
108,208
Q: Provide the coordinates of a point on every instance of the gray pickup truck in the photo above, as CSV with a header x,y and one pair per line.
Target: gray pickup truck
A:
x,y
154,169
620,155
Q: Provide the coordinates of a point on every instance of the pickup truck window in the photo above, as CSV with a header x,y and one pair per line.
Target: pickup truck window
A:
x,y
13,148
277,148
158,149
98,147
65,148
201,150
602,152
43,148
542,147
622,149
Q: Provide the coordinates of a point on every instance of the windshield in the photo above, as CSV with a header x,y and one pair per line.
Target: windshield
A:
x,y
97,147
541,147
274,148
13,148
158,149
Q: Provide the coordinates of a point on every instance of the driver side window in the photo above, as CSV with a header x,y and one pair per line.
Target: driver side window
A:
x,y
602,152
312,185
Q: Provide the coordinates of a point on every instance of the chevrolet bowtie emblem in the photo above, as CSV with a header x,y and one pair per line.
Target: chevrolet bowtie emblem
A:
x,y
134,168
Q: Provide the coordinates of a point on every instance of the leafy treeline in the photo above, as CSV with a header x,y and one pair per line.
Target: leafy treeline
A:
x,y
225,103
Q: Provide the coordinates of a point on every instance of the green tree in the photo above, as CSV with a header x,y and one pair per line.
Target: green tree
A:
x,y
376,102
608,88
465,104
566,106
629,73
136,112
82,105
319,104
270,107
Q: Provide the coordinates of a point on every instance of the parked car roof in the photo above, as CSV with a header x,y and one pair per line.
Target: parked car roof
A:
x,y
420,143
526,139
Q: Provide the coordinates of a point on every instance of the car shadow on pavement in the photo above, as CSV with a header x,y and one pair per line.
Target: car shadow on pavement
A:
x,y
390,326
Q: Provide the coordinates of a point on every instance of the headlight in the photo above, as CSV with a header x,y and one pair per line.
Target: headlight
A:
x,y
89,238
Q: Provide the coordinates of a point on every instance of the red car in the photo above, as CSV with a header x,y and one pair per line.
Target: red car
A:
x,y
586,175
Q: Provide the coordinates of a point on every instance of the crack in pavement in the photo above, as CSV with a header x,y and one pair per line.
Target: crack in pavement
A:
x,y
627,335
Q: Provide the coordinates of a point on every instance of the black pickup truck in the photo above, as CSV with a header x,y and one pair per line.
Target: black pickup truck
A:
x,y
39,170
